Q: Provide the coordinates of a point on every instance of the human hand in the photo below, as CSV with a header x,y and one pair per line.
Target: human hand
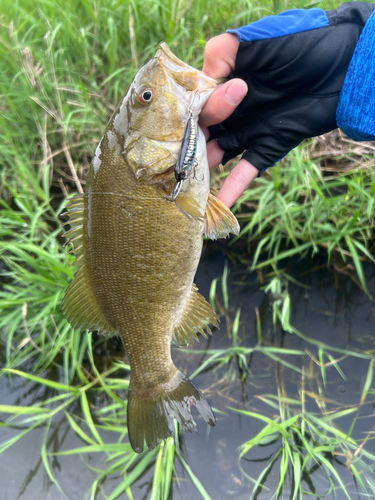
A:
x,y
295,65
219,60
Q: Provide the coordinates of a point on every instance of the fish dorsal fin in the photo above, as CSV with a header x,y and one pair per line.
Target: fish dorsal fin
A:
x,y
189,207
80,307
195,319
79,304
76,208
219,220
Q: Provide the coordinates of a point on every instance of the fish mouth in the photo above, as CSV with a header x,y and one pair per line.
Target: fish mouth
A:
x,y
188,77
171,60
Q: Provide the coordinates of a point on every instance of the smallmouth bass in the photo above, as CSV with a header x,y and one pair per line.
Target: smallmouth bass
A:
x,y
137,252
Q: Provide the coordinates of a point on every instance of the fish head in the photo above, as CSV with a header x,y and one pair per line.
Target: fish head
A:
x,y
153,115
162,94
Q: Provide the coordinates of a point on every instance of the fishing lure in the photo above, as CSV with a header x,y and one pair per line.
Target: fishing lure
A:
x,y
186,159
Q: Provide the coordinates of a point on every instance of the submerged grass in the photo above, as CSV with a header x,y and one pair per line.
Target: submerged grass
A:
x,y
64,68
306,441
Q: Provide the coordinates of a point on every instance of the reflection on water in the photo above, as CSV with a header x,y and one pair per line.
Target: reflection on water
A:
x,y
332,309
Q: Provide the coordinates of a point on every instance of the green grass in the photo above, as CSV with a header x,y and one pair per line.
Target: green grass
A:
x,y
297,210
64,68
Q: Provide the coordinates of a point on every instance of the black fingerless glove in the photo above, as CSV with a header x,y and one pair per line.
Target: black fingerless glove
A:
x,y
295,65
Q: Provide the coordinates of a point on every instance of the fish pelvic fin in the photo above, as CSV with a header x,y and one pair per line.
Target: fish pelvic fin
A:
x,y
196,317
219,220
150,418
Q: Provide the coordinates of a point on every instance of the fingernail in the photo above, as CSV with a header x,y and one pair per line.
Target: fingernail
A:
x,y
235,92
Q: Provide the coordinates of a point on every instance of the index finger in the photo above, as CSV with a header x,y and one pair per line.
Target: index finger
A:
x,y
220,55
219,60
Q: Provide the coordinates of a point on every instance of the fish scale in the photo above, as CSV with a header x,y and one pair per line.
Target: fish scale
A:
x,y
155,313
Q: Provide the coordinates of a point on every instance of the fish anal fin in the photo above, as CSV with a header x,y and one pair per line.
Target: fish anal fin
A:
x,y
219,220
195,319
80,307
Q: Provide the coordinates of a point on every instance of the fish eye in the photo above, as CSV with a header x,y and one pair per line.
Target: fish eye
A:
x,y
145,96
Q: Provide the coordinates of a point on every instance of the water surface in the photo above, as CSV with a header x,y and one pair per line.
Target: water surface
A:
x,y
333,310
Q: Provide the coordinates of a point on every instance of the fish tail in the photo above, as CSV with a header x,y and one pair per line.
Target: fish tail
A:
x,y
150,418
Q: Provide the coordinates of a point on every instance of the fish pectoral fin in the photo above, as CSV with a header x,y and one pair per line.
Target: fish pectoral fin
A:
x,y
150,417
189,207
219,220
196,317
80,307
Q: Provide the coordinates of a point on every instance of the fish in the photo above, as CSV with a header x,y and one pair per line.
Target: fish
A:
x,y
136,252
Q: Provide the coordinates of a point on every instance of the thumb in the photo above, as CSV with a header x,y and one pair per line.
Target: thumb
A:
x,y
220,55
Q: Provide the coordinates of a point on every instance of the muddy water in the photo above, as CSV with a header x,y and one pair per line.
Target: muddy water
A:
x,y
338,314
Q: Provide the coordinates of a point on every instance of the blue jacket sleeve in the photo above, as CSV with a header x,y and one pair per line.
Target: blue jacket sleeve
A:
x,y
355,113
